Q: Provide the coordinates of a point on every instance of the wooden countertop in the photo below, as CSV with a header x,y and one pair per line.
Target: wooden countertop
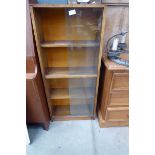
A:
x,y
114,66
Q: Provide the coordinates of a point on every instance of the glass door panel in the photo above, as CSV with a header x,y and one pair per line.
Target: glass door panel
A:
x,y
70,45
83,27
76,96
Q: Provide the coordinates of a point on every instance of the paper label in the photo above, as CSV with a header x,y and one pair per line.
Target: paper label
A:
x,y
83,1
72,12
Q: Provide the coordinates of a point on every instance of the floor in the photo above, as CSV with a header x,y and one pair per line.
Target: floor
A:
x,y
78,138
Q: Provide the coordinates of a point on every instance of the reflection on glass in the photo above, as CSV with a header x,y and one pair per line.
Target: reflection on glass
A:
x,y
70,52
84,27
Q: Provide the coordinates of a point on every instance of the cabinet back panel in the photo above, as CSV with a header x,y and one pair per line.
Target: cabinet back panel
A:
x,y
74,110
76,101
56,24
117,20
72,83
71,57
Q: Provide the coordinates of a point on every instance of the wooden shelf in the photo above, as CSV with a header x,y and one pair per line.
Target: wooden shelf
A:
x,y
72,101
90,43
72,72
61,110
70,117
73,110
71,93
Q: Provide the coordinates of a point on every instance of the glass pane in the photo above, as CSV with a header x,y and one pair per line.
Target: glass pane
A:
x,y
70,39
84,94
73,96
83,28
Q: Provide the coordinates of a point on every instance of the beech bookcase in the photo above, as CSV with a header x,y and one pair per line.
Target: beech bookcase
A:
x,y
69,40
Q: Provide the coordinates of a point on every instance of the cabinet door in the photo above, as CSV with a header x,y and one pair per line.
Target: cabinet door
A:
x,y
69,41
73,97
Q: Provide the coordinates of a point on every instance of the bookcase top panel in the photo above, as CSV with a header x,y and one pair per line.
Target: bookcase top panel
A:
x,y
67,5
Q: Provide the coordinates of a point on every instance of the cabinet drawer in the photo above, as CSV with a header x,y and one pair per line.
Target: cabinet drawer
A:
x,y
117,114
119,98
120,81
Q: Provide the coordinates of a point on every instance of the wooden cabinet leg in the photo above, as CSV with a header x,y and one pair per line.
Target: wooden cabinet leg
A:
x,y
46,126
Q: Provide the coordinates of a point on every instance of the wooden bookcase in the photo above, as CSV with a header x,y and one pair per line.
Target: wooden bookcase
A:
x,y
69,49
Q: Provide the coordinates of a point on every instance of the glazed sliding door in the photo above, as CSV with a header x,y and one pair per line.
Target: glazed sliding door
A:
x,y
70,54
